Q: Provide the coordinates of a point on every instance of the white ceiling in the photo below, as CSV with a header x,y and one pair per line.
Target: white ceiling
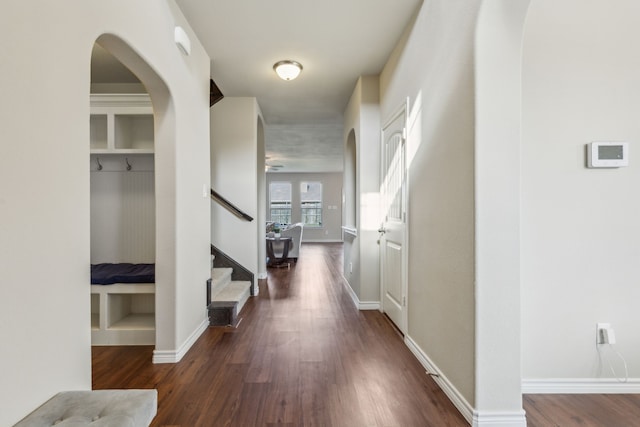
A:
x,y
336,41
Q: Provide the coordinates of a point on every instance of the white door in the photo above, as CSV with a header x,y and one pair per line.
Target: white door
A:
x,y
393,228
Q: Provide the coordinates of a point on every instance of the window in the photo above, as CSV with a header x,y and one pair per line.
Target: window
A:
x,y
280,202
311,203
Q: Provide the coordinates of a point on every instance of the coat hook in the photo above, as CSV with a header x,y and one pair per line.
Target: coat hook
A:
x,y
126,160
98,162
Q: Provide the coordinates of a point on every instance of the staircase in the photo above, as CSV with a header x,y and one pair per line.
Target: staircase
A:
x,y
227,297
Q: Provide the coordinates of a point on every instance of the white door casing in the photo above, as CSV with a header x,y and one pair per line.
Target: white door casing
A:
x,y
393,228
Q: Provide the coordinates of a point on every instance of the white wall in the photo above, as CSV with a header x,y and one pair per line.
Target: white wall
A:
x,y
433,67
44,187
362,117
460,71
234,148
580,228
123,226
498,71
331,196
262,201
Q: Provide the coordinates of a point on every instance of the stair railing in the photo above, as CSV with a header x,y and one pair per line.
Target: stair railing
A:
x,y
230,206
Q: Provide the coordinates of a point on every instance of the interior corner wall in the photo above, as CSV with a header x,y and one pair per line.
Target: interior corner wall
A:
x,y
234,149
580,227
44,186
362,116
433,67
262,201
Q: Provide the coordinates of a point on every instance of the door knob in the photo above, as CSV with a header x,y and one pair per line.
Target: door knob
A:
x,y
382,230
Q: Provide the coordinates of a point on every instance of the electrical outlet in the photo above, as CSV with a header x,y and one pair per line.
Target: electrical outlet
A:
x,y
605,334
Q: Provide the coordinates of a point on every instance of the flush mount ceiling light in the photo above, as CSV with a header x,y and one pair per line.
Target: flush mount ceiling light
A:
x,y
287,70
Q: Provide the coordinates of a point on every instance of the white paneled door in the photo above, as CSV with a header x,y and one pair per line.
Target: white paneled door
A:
x,y
393,228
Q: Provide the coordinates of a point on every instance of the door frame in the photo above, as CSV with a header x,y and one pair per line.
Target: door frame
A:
x,y
402,110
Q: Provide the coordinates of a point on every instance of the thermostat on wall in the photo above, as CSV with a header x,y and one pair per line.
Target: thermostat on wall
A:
x,y
607,154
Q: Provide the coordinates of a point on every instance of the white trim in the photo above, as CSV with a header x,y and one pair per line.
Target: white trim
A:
x,y
360,305
262,275
449,389
403,111
499,419
118,100
368,305
580,386
350,230
322,241
174,356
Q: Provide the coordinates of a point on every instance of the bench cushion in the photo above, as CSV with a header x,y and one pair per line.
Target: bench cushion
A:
x,y
97,408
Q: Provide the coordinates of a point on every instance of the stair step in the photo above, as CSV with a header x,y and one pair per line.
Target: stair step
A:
x,y
227,303
220,277
233,292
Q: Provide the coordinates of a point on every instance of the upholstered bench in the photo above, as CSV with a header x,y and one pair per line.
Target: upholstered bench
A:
x,y
97,408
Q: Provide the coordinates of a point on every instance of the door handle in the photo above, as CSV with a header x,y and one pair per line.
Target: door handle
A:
x,y
382,230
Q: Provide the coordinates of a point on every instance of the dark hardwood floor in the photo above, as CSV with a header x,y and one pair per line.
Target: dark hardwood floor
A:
x,y
303,355
590,410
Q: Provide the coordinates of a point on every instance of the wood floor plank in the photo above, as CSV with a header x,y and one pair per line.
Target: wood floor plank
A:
x,y
302,355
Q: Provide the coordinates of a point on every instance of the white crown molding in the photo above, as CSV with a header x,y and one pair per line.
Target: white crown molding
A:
x,y
580,386
174,356
127,100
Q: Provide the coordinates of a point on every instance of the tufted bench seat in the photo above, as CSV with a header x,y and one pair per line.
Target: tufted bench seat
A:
x,y
97,408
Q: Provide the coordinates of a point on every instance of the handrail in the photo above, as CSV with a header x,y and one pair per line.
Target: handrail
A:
x,y
230,206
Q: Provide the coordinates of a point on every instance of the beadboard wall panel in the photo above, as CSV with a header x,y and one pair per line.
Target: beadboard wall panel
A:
x,y
122,217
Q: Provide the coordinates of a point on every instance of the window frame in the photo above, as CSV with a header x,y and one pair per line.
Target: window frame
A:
x,y
317,210
286,205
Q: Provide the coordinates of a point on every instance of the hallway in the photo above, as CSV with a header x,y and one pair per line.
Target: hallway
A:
x,y
302,355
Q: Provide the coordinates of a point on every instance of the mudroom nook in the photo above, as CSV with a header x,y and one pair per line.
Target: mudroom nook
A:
x,y
122,220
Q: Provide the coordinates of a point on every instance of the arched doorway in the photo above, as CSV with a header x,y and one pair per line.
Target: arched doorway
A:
x,y
140,141
122,209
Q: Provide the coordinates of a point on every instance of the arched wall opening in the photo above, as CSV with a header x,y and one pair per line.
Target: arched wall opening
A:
x,y
163,164
122,199
350,221
350,182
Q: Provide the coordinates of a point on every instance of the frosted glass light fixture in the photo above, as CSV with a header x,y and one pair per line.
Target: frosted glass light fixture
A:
x,y
287,69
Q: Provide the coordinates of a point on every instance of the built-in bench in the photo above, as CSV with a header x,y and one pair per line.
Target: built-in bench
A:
x,y
97,408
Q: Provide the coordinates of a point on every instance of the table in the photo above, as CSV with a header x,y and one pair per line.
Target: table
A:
x,y
272,259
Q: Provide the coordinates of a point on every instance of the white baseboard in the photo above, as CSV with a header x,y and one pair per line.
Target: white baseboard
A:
x,y
499,419
452,393
321,241
368,305
360,305
174,356
580,386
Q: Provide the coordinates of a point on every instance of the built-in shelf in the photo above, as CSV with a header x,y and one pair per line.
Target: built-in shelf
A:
x,y
123,314
122,139
121,124
136,321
